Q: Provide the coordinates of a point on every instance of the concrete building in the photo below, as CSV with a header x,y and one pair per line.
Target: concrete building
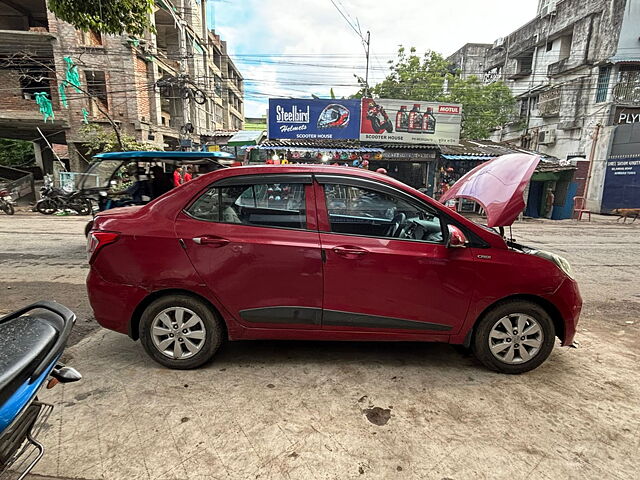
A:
x,y
174,88
470,59
575,70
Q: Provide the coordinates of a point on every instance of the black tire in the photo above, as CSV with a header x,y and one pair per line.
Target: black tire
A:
x,y
388,126
88,227
214,331
82,206
481,338
46,206
199,96
8,209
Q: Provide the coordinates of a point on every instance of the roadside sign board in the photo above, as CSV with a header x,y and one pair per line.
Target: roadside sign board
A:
x,y
313,119
408,121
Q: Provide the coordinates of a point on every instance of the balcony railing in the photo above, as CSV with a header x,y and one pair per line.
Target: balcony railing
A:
x,y
627,90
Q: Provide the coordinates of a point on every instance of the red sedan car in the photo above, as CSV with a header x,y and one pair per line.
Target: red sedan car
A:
x,y
321,253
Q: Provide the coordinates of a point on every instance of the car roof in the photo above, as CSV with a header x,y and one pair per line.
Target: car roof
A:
x,y
309,169
163,155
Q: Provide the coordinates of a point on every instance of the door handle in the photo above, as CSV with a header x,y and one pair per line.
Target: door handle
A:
x,y
346,250
213,241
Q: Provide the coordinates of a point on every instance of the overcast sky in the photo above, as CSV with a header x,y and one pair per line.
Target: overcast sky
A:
x,y
295,48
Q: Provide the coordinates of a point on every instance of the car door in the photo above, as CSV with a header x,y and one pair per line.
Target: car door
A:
x,y
254,242
387,267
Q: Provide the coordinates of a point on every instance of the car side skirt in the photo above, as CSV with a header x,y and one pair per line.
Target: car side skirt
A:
x,y
333,318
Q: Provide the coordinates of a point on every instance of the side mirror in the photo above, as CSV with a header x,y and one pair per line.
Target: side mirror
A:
x,y
456,238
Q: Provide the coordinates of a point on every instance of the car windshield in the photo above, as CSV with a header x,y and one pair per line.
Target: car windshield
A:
x,y
99,173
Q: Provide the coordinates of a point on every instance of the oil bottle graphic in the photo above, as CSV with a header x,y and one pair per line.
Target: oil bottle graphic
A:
x,y
429,122
415,120
402,119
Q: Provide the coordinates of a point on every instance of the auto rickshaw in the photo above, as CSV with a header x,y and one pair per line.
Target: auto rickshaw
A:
x,y
120,179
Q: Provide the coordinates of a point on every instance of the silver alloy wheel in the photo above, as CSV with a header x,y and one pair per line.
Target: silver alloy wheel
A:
x,y
178,332
516,338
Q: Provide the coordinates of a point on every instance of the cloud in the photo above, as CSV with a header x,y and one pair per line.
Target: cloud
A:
x,y
302,47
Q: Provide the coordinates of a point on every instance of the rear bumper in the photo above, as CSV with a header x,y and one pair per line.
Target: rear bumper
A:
x,y
113,304
569,303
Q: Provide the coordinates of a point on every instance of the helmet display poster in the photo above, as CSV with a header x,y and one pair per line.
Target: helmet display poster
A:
x,y
314,119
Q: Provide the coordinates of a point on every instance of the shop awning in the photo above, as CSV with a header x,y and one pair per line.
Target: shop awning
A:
x,y
246,137
480,158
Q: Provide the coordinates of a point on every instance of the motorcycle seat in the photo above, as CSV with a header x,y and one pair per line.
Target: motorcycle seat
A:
x,y
25,341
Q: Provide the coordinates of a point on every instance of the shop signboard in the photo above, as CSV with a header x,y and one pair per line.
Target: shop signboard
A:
x,y
622,182
626,116
408,121
313,119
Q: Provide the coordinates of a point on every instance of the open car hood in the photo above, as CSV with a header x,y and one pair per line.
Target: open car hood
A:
x,y
498,185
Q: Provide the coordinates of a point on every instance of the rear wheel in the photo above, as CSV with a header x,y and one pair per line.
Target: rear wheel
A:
x,y
180,332
514,337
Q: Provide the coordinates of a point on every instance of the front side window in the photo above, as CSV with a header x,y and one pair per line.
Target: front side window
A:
x,y
361,211
262,205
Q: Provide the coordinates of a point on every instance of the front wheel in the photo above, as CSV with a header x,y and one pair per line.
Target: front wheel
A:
x,y
180,332
514,337
8,209
82,206
46,206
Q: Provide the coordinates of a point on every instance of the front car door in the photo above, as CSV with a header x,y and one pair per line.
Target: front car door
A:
x,y
387,268
254,241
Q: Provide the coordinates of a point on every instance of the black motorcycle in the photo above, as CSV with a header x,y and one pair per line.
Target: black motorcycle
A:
x,y
6,203
54,199
33,340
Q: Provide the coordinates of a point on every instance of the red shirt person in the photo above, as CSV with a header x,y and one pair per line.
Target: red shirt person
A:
x,y
187,175
178,179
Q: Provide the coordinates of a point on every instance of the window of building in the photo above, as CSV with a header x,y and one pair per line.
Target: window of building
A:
x,y
34,81
604,75
361,211
89,38
97,88
549,45
524,107
262,205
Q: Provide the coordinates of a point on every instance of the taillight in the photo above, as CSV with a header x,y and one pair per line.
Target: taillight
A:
x,y
97,240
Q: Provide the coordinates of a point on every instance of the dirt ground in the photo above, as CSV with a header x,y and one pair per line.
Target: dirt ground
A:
x,y
271,410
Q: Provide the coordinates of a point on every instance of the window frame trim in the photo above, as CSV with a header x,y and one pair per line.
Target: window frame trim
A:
x,y
219,184
358,182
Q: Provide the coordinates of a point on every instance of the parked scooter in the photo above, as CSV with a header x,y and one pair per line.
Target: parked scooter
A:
x,y
33,340
54,199
7,203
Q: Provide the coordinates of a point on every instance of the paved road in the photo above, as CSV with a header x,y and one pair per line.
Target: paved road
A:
x,y
344,410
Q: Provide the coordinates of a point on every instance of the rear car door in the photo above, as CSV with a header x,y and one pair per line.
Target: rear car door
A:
x,y
387,267
254,241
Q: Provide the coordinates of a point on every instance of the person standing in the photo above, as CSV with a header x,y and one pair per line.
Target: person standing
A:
x,y
549,203
178,178
187,174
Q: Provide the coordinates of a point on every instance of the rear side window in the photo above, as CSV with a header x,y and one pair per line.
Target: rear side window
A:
x,y
262,205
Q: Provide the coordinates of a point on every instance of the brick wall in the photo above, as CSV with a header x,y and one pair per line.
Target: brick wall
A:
x,y
13,97
143,89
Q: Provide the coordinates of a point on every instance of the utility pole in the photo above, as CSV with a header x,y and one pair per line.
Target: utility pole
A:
x,y
367,45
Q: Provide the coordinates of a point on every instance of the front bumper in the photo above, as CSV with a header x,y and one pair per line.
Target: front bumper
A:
x,y
568,301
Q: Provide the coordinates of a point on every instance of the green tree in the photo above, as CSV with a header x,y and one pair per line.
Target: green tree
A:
x,y
16,153
432,78
106,16
101,140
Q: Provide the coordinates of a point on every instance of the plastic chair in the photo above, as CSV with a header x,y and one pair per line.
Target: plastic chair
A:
x,y
578,208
